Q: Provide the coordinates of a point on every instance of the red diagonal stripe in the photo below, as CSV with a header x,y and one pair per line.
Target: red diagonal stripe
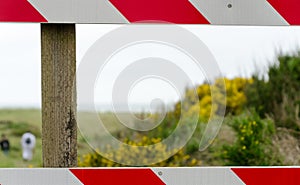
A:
x,y
173,11
19,11
268,176
117,176
288,9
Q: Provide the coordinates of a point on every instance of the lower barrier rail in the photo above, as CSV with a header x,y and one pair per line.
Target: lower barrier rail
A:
x,y
152,176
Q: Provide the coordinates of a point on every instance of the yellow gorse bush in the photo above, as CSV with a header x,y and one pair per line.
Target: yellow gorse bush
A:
x,y
135,155
235,96
206,106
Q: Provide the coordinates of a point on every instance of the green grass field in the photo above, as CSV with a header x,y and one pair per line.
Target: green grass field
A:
x,y
15,122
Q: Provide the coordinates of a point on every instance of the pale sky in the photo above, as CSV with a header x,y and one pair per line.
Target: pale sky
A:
x,y
236,49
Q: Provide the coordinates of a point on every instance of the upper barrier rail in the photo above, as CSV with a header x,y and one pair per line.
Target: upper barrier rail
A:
x,y
216,12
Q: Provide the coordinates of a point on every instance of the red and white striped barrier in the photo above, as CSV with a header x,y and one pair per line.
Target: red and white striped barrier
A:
x,y
152,176
220,12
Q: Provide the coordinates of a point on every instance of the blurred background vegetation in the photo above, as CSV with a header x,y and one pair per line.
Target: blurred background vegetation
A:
x,y
261,125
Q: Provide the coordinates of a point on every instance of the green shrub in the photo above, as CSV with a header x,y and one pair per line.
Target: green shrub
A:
x,y
253,145
277,95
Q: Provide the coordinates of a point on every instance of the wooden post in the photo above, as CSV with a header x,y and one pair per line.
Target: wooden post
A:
x,y
59,129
